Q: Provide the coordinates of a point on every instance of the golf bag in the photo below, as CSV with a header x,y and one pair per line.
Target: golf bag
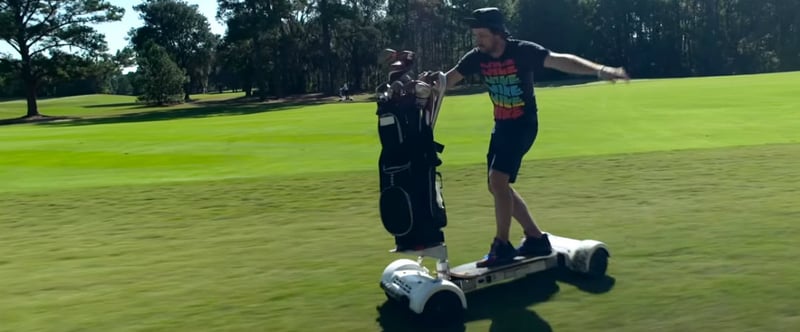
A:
x,y
411,203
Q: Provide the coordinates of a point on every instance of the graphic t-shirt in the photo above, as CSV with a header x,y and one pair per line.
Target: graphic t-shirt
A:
x,y
508,78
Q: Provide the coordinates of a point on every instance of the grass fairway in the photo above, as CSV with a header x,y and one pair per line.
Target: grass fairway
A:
x,y
256,218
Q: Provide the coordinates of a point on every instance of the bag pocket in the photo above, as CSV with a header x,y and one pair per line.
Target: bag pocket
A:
x,y
396,211
390,131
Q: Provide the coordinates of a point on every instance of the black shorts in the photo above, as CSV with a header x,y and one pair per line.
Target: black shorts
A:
x,y
509,143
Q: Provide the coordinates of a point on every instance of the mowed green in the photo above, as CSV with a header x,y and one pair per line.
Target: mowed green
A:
x,y
263,218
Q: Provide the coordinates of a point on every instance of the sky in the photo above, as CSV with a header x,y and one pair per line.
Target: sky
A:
x,y
116,32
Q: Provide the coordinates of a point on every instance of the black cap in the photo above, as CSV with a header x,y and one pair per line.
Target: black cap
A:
x,y
490,18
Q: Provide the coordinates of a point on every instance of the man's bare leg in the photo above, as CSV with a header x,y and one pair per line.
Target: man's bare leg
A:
x,y
536,243
523,216
503,203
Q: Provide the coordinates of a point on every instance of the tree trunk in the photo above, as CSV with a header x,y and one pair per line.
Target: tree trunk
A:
x,y
33,108
260,68
187,87
30,82
327,52
277,79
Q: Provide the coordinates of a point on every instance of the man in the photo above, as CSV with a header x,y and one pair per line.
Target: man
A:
x,y
344,92
507,67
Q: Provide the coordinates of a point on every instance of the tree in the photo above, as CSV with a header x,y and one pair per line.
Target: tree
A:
x,y
233,68
121,85
37,28
260,23
183,32
160,79
7,79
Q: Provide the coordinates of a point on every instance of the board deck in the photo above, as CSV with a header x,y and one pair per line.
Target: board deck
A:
x,y
438,251
470,270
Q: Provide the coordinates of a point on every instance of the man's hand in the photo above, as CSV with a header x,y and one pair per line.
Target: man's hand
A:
x,y
612,74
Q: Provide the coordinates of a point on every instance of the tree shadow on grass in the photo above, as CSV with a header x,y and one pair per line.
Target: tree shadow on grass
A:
x,y
130,105
38,119
505,305
200,109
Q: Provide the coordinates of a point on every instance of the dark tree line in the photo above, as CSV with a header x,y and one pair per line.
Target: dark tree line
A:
x,y
274,48
289,47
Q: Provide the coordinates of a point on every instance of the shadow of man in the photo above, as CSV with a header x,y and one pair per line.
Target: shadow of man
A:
x,y
506,305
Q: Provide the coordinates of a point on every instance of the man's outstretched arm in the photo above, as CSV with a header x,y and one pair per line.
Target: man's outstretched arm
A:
x,y
453,77
573,64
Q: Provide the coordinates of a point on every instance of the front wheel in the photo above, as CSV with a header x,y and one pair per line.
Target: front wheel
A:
x,y
443,308
598,263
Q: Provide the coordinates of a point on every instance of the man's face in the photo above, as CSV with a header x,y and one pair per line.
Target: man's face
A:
x,y
485,40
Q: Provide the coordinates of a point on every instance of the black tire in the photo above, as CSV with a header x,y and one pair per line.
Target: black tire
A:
x,y
403,301
443,308
561,261
598,263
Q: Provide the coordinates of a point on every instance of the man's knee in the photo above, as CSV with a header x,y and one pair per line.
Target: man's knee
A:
x,y
498,181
